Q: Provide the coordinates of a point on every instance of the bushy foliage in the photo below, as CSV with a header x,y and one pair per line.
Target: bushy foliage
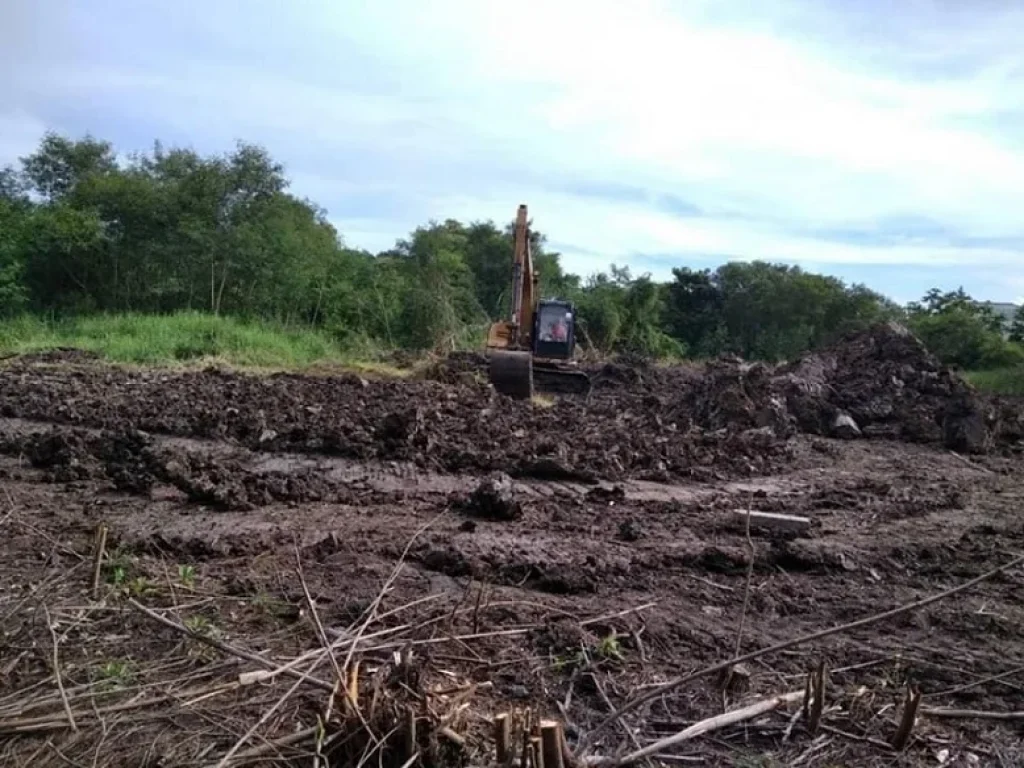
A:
x,y
963,332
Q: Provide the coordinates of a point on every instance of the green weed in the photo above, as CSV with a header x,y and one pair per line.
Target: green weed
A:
x,y
117,673
999,381
187,576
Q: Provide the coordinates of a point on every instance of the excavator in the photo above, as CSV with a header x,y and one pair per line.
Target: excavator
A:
x,y
535,346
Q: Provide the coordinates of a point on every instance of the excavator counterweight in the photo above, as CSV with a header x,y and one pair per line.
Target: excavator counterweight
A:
x,y
535,346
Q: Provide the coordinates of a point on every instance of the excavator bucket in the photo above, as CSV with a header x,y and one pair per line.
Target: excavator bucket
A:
x,y
511,373
518,374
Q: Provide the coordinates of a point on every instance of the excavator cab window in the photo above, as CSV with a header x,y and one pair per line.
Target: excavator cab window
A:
x,y
554,330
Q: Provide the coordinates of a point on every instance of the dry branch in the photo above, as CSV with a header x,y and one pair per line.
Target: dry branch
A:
x,y
231,650
56,670
704,726
967,714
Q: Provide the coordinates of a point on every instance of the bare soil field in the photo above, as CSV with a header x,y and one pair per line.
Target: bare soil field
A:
x,y
179,547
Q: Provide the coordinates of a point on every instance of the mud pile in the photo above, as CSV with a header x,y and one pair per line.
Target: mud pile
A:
x,y
734,395
890,386
459,427
878,383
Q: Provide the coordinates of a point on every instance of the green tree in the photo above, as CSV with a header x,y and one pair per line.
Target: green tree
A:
x,y
55,169
961,331
1016,332
13,223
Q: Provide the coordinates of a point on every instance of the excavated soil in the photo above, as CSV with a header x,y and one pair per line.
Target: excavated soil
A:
x,y
593,548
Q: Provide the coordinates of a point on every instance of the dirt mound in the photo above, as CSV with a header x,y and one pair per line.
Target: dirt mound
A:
x,y
738,396
459,368
890,386
877,383
132,462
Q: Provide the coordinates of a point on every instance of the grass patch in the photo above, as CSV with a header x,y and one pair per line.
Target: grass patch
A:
x,y
999,381
179,338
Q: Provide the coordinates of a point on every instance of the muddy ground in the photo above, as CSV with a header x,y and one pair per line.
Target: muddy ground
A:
x,y
607,556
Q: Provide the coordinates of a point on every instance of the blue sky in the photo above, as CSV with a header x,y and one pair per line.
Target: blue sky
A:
x,y
880,142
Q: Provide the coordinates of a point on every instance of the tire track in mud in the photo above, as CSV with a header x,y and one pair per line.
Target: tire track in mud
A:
x,y
401,478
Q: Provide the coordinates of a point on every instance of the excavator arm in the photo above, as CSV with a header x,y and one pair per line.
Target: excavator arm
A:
x,y
514,333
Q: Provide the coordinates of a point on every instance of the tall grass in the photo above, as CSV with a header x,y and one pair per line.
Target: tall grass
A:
x,y
1000,381
176,338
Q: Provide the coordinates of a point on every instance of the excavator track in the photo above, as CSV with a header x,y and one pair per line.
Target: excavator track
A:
x,y
557,380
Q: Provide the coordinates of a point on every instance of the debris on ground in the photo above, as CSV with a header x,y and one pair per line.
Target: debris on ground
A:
x,y
180,547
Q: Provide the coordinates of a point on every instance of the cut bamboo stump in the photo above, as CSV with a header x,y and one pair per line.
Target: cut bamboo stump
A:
x,y
551,743
503,738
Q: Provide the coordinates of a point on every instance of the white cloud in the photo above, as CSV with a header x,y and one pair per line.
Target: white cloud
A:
x,y
775,118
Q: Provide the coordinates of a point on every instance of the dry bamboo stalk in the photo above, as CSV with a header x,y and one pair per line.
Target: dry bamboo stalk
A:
x,y
97,566
902,735
972,713
704,726
56,671
817,704
353,686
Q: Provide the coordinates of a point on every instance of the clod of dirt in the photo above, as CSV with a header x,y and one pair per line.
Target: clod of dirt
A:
x,y
630,530
459,368
607,495
493,499
128,460
64,453
450,562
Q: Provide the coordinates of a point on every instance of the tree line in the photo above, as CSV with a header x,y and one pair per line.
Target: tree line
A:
x,y
84,230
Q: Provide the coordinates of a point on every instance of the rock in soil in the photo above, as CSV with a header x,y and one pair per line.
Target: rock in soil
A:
x,y
845,427
493,499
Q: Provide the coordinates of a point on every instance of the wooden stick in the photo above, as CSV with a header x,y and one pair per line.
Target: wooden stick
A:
x,y
97,566
971,713
661,690
704,726
56,671
551,743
